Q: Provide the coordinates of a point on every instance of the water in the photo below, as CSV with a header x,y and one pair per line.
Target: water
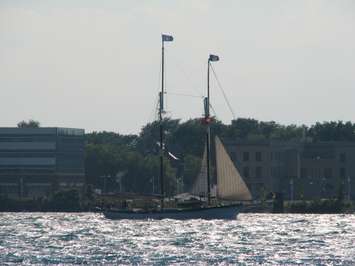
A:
x,y
86,238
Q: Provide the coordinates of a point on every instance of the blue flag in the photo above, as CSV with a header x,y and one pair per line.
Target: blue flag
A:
x,y
214,58
167,38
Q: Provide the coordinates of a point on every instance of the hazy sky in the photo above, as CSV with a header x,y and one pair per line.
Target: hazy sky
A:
x,y
96,64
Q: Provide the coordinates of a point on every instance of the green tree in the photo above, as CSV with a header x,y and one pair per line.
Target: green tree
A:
x,y
189,138
333,131
192,166
111,138
28,124
66,200
148,141
136,157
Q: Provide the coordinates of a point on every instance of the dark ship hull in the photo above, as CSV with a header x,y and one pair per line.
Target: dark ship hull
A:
x,y
209,213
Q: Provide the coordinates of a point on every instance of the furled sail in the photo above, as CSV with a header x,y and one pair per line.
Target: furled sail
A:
x,y
230,184
199,188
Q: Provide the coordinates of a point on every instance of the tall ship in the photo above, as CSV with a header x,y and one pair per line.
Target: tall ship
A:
x,y
222,201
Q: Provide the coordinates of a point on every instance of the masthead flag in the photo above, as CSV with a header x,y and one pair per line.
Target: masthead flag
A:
x,y
167,38
213,58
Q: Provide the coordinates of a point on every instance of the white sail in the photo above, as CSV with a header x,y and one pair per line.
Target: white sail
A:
x,y
230,184
199,188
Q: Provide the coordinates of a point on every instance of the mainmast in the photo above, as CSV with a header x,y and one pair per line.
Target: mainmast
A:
x,y
212,58
164,38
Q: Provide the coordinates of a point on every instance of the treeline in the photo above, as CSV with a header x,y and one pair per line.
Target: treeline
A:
x,y
130,163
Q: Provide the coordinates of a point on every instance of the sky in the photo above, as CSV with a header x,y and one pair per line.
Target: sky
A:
x,y
96,64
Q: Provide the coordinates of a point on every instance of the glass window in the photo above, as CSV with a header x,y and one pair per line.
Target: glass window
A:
x,y
342,157
246,172
342,172
245,156
258,156
274,171
258,172
233,156
328,172
304,172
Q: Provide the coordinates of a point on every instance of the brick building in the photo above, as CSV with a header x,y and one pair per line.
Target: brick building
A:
x,y
297,169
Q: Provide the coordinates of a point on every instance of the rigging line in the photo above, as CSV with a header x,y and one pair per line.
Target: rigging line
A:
x,y
154,113
179,66
184,94
224,94
156,109
213,110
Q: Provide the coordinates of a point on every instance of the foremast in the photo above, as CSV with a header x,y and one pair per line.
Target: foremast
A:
x,y
164,38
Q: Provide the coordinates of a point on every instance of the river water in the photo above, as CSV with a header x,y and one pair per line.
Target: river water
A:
x,y
87,238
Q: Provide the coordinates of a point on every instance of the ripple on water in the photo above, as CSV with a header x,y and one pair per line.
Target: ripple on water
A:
x,y
86,238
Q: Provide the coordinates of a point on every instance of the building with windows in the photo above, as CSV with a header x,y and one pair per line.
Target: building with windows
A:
x,y
299,170
36,161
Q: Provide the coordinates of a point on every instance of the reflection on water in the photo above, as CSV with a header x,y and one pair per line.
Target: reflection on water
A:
x,y
51,238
